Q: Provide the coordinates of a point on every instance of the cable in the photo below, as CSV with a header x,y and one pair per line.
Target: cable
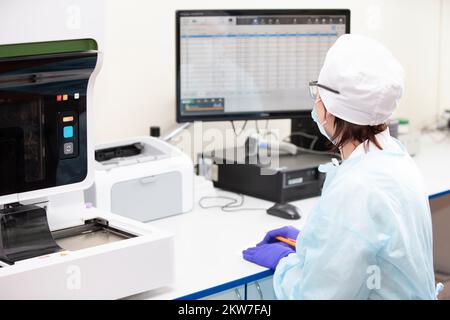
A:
x,y
270,133
234,128
311,150
266,132
232,206
266,128
327,153
257,128
233,201
306,135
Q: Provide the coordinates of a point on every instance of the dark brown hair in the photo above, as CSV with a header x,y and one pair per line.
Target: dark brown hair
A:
x,y
346,132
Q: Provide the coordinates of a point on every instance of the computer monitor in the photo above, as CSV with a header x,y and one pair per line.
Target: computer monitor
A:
x,y
251,64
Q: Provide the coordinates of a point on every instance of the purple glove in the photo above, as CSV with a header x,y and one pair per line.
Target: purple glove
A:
x,y
267,255
288,232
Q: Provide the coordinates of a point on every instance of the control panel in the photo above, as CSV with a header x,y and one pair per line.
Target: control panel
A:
x,y
68,133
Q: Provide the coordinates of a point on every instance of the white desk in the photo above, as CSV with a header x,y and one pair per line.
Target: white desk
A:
x,y
209,242
434,163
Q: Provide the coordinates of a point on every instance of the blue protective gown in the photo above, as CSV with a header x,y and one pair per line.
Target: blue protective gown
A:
x,y
369,236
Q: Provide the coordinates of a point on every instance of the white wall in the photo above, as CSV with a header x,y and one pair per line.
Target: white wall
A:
x,y
46,20
444,88
136,87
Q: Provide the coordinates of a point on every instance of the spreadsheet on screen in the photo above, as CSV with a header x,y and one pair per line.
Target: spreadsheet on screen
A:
x,y
231,64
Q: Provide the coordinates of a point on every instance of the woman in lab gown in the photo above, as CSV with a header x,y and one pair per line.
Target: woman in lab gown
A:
x,y
369,236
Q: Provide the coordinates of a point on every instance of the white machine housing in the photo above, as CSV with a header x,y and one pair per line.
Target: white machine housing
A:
x,y
60,20
155,184
108,270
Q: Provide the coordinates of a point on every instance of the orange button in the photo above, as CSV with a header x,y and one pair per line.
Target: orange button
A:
x,y
65,97
68,119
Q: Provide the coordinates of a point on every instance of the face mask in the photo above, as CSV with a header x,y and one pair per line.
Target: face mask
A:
x,y
315,117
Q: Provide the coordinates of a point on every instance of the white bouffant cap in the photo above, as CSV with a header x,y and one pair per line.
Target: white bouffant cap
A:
x,y
368,78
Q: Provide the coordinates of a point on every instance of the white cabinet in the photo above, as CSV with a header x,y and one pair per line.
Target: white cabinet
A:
x,y
237,293
261,290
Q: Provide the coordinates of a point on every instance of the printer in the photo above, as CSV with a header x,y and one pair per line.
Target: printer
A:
x,y
52,244
142,178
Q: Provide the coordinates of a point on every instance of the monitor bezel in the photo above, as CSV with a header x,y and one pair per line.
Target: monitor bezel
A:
x,y
247,115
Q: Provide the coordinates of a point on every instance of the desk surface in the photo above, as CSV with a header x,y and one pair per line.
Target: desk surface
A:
x,y
209,242
433,161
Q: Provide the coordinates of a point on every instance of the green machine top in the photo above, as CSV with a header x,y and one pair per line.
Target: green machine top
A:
x,y
48,47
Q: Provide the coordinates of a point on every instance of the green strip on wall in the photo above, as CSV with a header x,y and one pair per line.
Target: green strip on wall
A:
x,y
50,47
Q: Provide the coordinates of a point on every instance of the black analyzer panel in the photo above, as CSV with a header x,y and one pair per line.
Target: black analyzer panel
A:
x,y
43,120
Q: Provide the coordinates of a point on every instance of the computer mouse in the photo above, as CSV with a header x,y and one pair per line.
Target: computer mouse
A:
x,y
285,211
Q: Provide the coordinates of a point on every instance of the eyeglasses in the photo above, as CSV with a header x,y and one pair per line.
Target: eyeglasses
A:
x,y
313,89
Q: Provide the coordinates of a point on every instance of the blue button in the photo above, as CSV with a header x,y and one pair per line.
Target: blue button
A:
x,y
68,132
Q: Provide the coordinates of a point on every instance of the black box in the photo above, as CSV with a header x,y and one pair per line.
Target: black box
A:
x,y
289,178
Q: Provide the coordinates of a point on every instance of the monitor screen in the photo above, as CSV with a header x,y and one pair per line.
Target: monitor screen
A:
x,y
251,64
